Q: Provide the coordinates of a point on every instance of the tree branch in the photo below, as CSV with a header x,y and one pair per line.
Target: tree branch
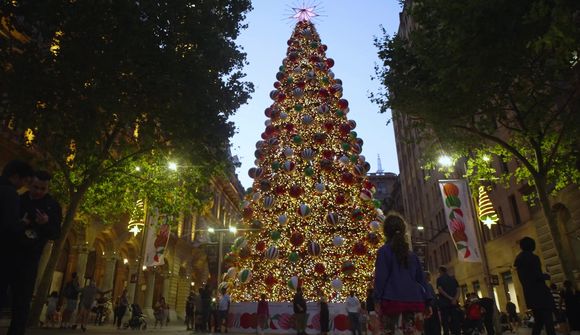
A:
x,y
502,143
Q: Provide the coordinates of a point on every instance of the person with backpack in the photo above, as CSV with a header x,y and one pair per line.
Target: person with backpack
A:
x,y
71,294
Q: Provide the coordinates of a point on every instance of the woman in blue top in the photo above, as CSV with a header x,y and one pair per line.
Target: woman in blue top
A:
x,y
400,286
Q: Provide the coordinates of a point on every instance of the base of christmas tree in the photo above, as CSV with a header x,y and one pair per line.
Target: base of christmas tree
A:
x,y
242,318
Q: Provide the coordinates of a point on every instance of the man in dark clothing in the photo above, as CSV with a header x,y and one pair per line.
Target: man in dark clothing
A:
x,y
190,311
447,288
299,306
41,216
488,306
15,175
432,324
536,292
205,296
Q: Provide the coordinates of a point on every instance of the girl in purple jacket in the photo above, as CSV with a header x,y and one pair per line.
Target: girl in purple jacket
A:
x,y
400,287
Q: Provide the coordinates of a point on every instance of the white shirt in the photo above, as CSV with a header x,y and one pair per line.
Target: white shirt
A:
x,y
352,305
224,303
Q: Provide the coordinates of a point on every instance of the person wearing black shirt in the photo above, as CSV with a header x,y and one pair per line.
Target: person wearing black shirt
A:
x,y
299,306
41,217
15,175
205,296
536,292
489,313
447,287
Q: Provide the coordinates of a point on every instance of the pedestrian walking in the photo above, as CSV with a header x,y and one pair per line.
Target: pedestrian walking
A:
x,y
299,307
324,315
353,309
121,309
88,294
71,294
223,311
512,314
190,311
399,286
374,323
160,312
536,292
571,299
263,315
51,310
432,324
448,290
205,296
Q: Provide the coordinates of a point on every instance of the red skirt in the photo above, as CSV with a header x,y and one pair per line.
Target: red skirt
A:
x,y
390,307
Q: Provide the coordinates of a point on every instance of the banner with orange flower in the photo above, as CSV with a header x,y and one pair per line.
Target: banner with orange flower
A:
x,y
460,220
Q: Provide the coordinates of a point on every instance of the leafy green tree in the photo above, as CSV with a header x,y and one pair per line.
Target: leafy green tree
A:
x,y
97,85
499,77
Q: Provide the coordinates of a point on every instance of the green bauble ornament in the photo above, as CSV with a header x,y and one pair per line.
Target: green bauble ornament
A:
x,y
282,68
377,203
275,166
275,235
293,257
297,139
325,80
354,158
345,146
313,45
289,80
298,107
353,134
309,171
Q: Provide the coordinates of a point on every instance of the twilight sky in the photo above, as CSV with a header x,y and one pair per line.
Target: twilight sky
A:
x,y
347,28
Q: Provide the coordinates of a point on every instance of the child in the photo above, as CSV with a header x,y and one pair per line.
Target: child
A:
x,y
51,304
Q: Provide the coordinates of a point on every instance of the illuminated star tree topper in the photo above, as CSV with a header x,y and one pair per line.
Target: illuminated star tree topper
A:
x,y
304,13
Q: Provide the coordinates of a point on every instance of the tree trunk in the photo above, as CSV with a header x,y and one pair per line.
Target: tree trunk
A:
x,y
44,285
565,259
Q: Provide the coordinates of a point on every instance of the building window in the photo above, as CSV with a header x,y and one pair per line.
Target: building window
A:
x,y
515,210
477,288
510,289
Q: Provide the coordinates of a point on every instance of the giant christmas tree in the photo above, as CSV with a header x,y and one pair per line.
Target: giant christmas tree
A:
x,y
316,222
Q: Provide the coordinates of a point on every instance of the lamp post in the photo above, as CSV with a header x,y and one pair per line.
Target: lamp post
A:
x,y
447,161
221,232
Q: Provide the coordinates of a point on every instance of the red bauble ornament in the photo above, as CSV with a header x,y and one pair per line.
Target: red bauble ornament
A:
x,y
301,84
281,97
344,128
289,127
323,93
340,199
326,164
279,190
264,136
277,84
268,112
343,104
328,154
245,253
314,59
260,246
296,239
328,126
347,178
295,191
330,62
359,249
319,268
290,42
293,56
270,280
319,138
369,186
247,213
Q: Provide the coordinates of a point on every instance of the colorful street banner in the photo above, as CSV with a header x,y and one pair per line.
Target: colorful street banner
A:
x,y
460,220
158,230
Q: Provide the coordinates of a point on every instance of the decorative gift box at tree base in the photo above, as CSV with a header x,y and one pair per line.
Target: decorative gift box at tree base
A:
x,y
243,318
